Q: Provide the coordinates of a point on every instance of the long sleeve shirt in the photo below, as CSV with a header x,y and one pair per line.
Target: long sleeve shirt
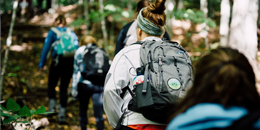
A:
x,y
49,40
76,77
121,74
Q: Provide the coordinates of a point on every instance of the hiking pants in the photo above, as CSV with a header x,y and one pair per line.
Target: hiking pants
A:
x,y
63,72
86,91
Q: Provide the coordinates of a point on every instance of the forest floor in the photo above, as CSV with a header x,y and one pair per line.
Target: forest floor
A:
x,y
28,86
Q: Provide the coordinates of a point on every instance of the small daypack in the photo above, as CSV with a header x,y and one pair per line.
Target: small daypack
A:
x,y
167,71
95,64
65,43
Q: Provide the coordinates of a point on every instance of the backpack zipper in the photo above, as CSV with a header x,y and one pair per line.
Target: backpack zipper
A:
x,y
160,73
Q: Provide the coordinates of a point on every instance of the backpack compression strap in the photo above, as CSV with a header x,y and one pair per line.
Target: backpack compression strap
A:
x,y
55,30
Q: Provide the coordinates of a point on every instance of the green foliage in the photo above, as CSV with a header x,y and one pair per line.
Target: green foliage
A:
x,y
194,16
13,112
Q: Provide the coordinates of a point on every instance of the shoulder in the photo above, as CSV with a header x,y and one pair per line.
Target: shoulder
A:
x,y
127,26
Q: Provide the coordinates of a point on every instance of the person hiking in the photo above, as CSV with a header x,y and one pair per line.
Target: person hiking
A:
x,y
83,89
127,34
61,65
224,91
119,85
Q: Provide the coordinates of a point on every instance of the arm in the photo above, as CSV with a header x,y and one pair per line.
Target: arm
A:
x,y
46,48
74,85
120,40
76,40
117,78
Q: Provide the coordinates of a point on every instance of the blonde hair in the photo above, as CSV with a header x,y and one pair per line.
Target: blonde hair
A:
x,y
88,39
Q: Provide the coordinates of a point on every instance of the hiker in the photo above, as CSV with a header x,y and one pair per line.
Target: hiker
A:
x,y
224,91
127,34
83,89
61,65
120,88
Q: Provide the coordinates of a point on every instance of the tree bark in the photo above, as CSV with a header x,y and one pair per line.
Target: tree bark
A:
x,y
129,5
86,16
204,8
103,24
224,22
8,43
243,29
180,4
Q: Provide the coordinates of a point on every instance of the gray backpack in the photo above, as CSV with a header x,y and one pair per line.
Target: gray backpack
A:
x,y
167,71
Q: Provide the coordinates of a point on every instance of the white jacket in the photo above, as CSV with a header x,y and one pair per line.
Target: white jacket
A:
x,y
121,73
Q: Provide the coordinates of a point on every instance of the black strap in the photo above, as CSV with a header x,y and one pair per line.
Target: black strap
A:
x,y
118,126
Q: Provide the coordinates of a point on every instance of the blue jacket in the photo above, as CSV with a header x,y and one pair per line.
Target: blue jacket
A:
x,y
206,116
49,40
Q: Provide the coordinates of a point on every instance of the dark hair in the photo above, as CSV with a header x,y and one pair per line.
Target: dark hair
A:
x,y
141,4
224,76
61,19
155,13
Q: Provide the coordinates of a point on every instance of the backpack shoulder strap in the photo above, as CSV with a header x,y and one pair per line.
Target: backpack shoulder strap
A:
x,y
55,30
68,30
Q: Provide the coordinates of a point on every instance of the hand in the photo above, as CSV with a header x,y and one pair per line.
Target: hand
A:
x,y
41,69
74,92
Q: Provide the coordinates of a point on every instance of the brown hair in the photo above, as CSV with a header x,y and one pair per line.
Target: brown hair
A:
x,y
224,76
155,13
87,39
141,4
62,20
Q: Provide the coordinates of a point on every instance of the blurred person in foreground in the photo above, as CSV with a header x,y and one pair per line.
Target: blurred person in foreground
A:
x,y
83,89
224,91
127,34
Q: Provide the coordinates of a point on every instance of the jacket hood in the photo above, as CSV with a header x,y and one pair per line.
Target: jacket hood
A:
x,y
206,115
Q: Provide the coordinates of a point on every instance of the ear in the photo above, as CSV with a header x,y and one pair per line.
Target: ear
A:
x,y
139,32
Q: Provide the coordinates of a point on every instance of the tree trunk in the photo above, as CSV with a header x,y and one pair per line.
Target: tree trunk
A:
x,y
180,4
169,8
243,29
224,22
8,43
129,5
103,24
86,15
204,8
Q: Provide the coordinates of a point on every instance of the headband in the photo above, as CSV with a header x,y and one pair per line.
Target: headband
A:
x,y
147,26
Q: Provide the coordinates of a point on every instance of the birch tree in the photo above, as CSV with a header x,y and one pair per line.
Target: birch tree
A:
x,y
103,24
180,4
169,8
204,31
243,29
8,43
224,22
86,15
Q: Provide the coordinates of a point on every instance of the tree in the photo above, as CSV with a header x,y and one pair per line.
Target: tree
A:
x,y
204,8
243,29
224,22
8,43
86,15
103,24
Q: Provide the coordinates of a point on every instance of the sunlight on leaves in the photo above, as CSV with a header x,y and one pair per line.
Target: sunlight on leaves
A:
x,y
125,14
110,7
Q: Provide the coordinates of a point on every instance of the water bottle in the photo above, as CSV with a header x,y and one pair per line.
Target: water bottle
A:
x,y
140,76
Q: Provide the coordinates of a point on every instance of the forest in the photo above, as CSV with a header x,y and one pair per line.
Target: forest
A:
x,y
198,25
